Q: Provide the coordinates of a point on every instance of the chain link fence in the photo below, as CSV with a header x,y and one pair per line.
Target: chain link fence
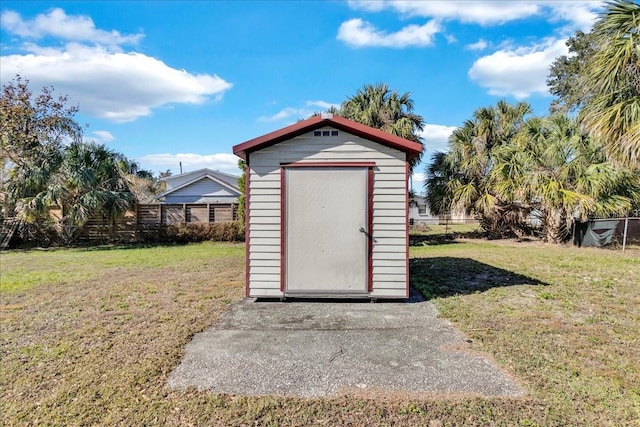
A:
x,y
615,232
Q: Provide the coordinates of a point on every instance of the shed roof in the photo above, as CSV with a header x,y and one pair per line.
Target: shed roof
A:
x,y
412,148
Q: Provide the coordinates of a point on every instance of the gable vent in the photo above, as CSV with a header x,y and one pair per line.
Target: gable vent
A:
x,y
325,133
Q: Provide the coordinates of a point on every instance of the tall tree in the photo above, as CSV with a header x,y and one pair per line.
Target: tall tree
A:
x,y
555,169
90,179
601,79
566,75
439,174
48,165
472,156
380,107
612,114
142,183
34,127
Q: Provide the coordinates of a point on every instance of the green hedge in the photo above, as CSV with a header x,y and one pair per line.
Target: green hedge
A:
x,y
218,232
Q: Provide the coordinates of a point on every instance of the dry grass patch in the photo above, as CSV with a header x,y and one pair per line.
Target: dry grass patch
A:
x,y
93,341
566,321
88,337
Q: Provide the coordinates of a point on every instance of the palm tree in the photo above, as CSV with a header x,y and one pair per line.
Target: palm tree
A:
x,y
33,130
380,107
612,114
472,154
89,179
555,168
439,173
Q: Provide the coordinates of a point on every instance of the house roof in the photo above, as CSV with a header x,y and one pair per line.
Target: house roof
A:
x,y
412,148
203,174
227,178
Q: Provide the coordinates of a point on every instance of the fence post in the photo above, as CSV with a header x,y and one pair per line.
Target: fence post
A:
x,y
160,221
136,234
624,236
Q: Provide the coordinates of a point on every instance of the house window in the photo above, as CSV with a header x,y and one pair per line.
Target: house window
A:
x,y
317,133
326,133
422,209
334,133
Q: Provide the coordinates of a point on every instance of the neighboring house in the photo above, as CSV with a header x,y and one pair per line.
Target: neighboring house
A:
x,y
200,186
202,196
419,213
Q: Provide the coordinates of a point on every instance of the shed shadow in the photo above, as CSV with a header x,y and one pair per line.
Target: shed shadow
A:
x,y
436,277
451,237
441,277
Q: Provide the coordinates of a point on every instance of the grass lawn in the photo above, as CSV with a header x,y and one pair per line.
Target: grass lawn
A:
x,y
89,336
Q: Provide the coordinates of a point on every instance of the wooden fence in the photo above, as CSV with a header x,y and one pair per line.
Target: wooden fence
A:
x,y
145,222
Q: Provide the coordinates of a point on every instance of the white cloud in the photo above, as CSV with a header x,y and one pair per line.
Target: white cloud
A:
x,y
480,12
116,86
100,137
369,5
417,182
418,176
223,162
520,71
359,33
102,79
322,104
436,137
579,15
287,113
58,24
479,45
290,113
104,135
451,39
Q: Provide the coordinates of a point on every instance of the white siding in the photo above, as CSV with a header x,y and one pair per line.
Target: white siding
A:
x,y
204,190
204,187
389,203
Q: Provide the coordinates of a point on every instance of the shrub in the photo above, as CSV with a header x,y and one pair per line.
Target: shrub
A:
x,y
42,233
194,232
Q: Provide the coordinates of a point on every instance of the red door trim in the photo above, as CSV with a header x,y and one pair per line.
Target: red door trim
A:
x,y
247,235
283,228
370,229
406,208
283,216
329,164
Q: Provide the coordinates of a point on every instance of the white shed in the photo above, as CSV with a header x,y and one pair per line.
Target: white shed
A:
x,y
326,211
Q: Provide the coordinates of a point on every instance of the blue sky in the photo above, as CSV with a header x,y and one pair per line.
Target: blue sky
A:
x,y
167,82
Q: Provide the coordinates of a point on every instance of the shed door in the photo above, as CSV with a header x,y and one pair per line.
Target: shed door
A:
x,y
326,220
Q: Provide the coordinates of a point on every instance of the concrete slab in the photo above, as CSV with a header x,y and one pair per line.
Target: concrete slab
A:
x,y
314,349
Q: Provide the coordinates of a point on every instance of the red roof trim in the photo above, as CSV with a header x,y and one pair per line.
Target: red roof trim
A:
x,y
410,147
305,164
